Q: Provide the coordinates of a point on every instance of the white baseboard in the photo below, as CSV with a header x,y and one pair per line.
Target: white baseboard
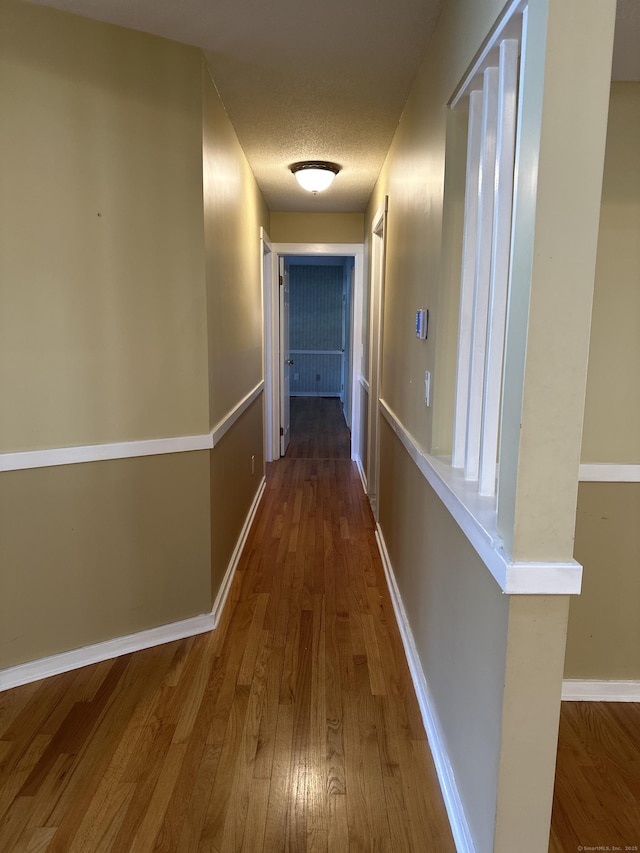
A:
x,y
225,586
574,690
446,777
363,477
66,661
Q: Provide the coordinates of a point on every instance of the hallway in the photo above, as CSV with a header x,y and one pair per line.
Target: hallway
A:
x,y
293,726
318,429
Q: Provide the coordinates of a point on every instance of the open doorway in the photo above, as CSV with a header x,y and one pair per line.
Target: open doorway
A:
x,y
313,357
315,321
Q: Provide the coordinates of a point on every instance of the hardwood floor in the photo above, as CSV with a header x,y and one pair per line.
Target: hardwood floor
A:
x,y
292,727
597,792
318,429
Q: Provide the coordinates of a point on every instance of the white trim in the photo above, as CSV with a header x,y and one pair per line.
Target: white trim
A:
x,y
335,394
355,352
378,243
225,586
363,476
266,286
364,383
272,322
499,267
102,452
603,472
437,742
508,26
127,449
482,272
234,414
477,518
66,661
574,690
345,250
316,351
469,243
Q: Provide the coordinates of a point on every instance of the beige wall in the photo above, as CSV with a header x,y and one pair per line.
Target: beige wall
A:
x,y
603,641
564,103
604,637
459,621
102,292
99,550
120,320
457,613
490,658
234,486
234,210
316,227
612,408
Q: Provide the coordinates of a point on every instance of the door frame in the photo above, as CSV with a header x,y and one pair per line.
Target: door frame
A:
x,y
284,362
272,336
267,273
376,324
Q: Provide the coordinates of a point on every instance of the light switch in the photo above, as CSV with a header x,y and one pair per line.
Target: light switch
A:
x,y
422,323
427,388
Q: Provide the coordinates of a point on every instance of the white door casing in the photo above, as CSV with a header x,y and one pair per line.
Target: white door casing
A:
x,y
285,358
272,339
376,318
267,347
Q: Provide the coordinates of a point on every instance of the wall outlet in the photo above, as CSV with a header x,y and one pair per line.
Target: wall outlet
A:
x,y
427,388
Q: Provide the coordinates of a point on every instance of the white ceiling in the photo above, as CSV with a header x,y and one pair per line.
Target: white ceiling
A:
x,y
313,80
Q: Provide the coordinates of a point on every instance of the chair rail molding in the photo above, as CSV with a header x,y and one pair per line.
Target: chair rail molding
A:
x,y
52,457
609,472
476,515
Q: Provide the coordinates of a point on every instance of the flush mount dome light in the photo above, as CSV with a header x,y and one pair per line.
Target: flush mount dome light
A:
x,y
315,175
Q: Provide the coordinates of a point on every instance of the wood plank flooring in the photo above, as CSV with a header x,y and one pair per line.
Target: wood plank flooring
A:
x,y
597,791
292,727
318,429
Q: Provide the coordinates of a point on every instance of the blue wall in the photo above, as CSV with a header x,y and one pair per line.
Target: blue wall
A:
x,y
316,323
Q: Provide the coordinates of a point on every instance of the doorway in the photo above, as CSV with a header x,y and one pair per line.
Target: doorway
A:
x,y
374,388
319,349
315,311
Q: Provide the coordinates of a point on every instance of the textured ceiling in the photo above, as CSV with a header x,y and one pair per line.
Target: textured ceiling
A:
x,y
299,80
312,80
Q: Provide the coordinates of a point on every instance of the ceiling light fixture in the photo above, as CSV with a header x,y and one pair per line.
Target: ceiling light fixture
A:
x,y
315,175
